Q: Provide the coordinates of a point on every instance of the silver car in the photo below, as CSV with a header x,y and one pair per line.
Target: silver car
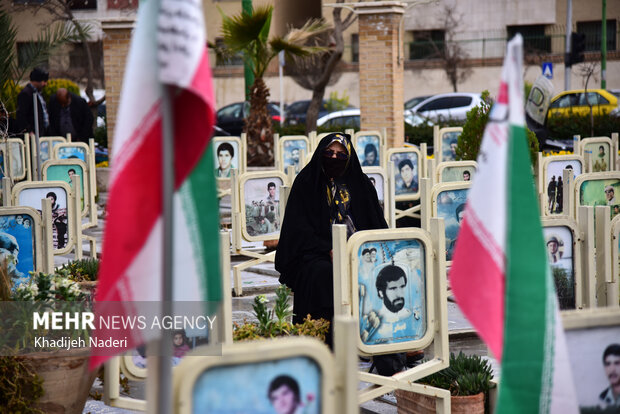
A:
x,y
443,107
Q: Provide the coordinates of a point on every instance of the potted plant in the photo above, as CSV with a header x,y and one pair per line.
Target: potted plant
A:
x,y
275,322
84,272
37,375
468,378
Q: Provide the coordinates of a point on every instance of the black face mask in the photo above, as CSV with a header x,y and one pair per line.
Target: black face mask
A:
x,y
334,167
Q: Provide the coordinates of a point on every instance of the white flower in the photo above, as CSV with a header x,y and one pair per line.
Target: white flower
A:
x,y
263,299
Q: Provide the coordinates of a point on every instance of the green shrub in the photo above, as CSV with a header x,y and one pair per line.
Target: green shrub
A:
x,y
469,141
466,375
82,270
564,127
334,103
54,84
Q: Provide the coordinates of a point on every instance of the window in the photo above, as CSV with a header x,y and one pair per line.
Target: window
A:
x,y
427,44
534,38
459,101
235,60
83,4
25,53
565,101
594,99
231,111
592,30
437,104
355,48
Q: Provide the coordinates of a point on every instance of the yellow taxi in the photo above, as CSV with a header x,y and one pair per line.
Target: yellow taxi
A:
x,y
576,102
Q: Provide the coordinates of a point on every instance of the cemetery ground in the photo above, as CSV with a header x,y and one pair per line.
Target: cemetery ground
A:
x,y
263,279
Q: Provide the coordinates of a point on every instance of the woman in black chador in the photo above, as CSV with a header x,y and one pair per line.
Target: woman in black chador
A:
x,y
331,189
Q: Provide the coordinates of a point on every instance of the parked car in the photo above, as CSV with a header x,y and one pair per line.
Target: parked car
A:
x,y
576,102
414,101
341,120
230,118
444,106
296,112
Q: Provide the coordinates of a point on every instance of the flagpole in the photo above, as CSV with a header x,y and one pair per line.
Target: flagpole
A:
x,y
164,371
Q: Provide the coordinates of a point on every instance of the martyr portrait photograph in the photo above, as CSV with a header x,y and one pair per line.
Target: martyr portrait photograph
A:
x,y
600,193
286,386
448,145
554,186
262,206
32,197
599,155
457,173
392,289
368,150
291,153
226,158
594,355
559,245
67,173
451,208
405,172
377,182
17,245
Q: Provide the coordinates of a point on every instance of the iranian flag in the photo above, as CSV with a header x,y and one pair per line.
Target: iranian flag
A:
x,y
500,276
168,47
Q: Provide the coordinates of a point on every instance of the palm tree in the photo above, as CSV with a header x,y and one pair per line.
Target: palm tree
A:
x,y
33,54
247,33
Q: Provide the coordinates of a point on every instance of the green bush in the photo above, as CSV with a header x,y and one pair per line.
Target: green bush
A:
x,y
54,84
469,141
466,375
564,127
334,103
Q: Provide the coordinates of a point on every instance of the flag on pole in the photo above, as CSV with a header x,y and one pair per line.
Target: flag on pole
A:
x,y
167,47
500,276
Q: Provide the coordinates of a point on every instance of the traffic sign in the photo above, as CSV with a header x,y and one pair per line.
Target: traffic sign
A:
x,y
547,70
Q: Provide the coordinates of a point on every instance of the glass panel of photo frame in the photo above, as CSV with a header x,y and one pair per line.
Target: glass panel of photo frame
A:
x,y
66,152
599,155
226,157
289,385
44,153
32,197
448,145
451,208
380,186
458,173
406,173
554,185
559,244
262,206
392,291
594,355
66,172
291,153
17,245
368,148
601,192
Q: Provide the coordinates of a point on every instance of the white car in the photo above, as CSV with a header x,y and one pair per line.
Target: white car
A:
x,y
446,106
340,120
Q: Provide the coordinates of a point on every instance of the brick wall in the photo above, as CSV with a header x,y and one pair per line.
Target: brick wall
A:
x,y
381,70
116,39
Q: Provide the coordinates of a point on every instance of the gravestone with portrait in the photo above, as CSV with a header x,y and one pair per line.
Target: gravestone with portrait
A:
x,y
394,285
46,146
600,153
565,249
257,213
293,151
599,189
406,171
66,220
381,181
85,153
451,171
370,148
607,268
593,345
551,182
17,164
445,141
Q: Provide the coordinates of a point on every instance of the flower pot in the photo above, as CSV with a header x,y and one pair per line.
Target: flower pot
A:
x,y
411,403
66,379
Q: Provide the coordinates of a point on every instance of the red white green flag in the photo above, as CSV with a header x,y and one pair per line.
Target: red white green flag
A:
x,y
169,47
500,276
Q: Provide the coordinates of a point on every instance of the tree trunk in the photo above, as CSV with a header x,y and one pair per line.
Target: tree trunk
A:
x,y
313,109
258,126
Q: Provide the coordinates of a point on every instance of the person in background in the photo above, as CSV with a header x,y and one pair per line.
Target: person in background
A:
x,y
70,114
25,104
